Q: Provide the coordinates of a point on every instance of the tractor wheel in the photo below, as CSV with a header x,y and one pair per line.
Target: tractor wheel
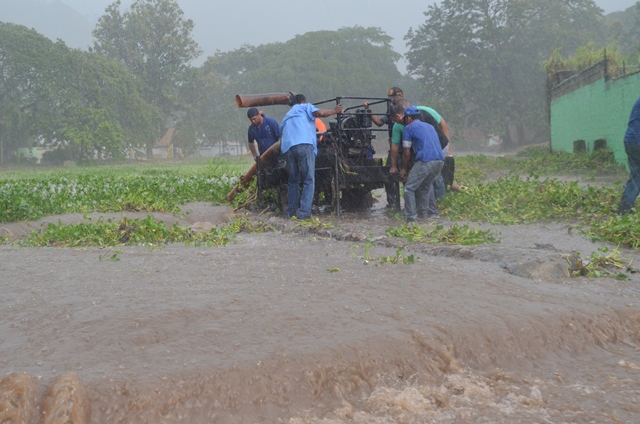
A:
x,y
356,199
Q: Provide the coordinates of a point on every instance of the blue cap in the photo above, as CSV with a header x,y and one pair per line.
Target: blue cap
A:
x,y
411,110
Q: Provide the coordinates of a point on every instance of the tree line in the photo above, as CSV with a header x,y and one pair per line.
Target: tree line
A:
x,y
478,62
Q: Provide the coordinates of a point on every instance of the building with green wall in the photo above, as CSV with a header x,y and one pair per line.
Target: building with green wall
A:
x,y
589,110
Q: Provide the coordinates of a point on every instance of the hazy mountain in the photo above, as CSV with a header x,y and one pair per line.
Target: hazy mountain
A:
x,y
52,19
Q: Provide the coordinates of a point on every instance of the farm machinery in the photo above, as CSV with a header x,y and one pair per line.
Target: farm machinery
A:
x,y
346,171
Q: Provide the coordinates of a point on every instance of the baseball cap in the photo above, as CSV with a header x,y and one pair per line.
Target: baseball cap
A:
x,y
252,112
411,110
394,91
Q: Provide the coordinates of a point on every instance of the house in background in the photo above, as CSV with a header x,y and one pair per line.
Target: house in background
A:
x,y
164,148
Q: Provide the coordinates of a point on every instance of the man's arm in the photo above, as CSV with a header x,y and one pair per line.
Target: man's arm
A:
x,y
394,159
254,150
323,113
252,146
444,128
406,157
375,118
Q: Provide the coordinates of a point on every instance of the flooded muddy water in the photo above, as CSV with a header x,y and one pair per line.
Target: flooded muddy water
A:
x,y
303,326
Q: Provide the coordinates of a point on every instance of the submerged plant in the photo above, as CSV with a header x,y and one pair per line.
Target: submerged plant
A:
x,y
398,258
603,264
456,234
313,223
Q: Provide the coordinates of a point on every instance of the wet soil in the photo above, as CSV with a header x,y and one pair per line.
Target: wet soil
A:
x,y
310,325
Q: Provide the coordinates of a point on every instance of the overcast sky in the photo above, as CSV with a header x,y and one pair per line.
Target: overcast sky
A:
x,y
228,24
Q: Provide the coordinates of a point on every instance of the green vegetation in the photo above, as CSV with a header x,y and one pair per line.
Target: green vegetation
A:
x,y
606,264
623,230
539,161
398,258
509,199
588,55
478,62
456,234
147,232
32,195
87,106
512,199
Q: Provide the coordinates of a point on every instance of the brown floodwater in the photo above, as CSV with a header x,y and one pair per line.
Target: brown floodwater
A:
x,y
297,328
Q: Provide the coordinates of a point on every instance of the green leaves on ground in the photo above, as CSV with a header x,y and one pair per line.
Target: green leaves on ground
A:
x,y
457,234
126,231
115,189
622,230
539,161
398,258
512,200
607,264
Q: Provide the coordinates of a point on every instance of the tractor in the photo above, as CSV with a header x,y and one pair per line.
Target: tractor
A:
x,y
346,171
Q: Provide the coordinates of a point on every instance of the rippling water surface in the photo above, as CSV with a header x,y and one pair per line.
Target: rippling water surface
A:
x,y
291,329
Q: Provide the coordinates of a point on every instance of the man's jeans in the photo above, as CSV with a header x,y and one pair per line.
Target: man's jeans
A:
x,y
436,193
388,187
416,189
302,167
632,188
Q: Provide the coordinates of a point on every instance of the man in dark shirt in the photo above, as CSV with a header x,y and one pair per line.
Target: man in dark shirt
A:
x,y
264,130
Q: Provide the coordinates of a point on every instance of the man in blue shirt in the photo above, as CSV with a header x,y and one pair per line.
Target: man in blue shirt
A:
x,y
300,150
263,130
423,139
632,148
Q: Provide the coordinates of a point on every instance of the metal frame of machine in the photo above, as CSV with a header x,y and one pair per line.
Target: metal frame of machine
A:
x,y
345,175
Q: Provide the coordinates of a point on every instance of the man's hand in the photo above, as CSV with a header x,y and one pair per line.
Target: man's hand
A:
x,y
393,170
338,109
403,175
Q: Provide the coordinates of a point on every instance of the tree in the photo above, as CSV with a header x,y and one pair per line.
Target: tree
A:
x,y
84,101
624,27
154,42
353,61
27,86
103,111
201,100
479,61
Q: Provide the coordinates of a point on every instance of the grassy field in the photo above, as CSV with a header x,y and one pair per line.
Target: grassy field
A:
x,y
530,187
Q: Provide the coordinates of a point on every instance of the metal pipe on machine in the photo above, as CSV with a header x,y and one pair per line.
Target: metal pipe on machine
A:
x,y
253,100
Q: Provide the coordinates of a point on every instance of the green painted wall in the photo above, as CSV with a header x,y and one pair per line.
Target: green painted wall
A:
x,y
597,111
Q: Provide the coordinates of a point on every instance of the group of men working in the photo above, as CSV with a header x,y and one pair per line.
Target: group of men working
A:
x,y
418,139
297,135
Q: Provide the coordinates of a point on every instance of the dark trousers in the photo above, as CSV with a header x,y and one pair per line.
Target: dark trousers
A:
x,y
632,188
